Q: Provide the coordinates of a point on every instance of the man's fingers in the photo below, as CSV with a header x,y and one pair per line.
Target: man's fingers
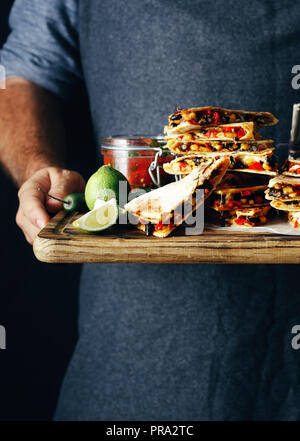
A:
x,y
30,231
34,206
32,203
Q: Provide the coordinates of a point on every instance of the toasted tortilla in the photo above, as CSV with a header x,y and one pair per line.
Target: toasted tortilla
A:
x,y
261,157
170,167
159,204
166,230
184,120
284,180
230,217
188,143
173,166
280,205
249,128
223,199
259,210
291,167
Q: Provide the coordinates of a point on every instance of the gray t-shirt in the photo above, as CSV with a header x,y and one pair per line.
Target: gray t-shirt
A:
x,y
178,342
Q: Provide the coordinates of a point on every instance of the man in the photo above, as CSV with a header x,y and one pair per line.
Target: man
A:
x,y
157,342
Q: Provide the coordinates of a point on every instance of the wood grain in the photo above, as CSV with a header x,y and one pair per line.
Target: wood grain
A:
x,y
60,242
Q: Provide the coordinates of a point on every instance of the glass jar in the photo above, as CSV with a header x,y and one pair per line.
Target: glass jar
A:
x,y
139,158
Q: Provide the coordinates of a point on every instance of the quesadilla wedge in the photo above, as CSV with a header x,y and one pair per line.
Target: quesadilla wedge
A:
x,y
236,198
294,218
291,208
190,119
189,143
159,206
283,188
246,217
250,217
184,165
260,162
292,168
227,132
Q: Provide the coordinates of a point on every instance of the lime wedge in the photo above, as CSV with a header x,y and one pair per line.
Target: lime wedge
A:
x,y
103,216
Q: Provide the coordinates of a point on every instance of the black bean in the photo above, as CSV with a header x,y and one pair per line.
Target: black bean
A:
x,y
239,164
275,193
197,161
176,117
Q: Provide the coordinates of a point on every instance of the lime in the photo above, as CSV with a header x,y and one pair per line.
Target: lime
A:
x,y
104,215
104,185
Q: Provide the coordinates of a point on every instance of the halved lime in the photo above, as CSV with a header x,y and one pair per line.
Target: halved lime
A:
x,y
104,215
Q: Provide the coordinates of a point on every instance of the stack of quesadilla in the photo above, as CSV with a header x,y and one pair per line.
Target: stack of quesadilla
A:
x,y
187,120
196,134
159,212
213,130
284,194
239,202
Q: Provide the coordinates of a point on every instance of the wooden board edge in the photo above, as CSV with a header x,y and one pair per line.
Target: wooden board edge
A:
x,y
48,251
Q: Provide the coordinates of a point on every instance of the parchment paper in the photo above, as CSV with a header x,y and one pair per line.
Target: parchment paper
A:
x,y
277,225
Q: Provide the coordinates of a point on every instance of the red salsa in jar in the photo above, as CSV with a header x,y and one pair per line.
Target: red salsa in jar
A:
x,y
133,155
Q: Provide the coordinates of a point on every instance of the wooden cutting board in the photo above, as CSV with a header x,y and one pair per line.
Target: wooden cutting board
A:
x,y
59,241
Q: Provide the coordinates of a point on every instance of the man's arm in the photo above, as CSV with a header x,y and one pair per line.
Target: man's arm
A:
x,y
32,144
41,57
31,129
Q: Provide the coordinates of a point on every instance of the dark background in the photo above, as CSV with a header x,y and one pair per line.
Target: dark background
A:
x,y
38,302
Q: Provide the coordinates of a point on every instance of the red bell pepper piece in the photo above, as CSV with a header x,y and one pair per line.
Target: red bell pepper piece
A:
x,y
182,166
159,226
241,133
241,220
256,166
216,118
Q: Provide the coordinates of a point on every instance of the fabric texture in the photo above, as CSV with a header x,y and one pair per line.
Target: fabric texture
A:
x,y
43,45
178,342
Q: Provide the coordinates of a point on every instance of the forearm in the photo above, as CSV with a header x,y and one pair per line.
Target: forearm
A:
x,y
31,130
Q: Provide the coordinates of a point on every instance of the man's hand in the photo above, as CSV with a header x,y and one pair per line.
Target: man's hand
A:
x,y
34,206
32,146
